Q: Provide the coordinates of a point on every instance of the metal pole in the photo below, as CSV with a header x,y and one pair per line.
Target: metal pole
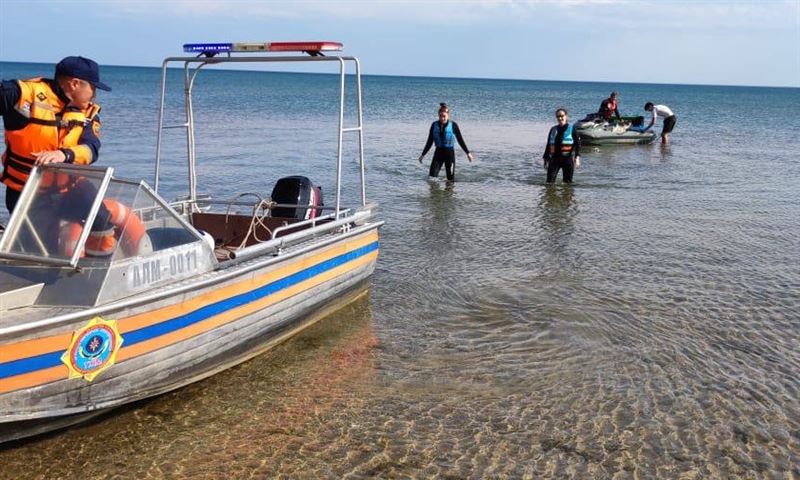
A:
x,y
341,133
360,134
160,122
187,83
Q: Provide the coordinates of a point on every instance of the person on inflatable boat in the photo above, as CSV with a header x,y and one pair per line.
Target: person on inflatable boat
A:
x,y
609,108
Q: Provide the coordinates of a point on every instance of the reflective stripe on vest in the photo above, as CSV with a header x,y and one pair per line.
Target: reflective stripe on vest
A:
x,y
45,130
566,142
448,140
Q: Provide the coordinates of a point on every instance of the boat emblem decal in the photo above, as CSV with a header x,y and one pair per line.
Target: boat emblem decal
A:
x,y
93,348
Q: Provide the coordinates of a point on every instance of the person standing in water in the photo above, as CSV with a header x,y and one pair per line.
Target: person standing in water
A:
x,y
444,133
669,119
563,150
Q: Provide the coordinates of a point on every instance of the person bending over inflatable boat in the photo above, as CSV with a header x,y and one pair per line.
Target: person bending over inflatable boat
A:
x,y
669,119
563,150
444,133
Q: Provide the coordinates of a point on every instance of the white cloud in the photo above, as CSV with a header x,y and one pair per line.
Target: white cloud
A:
x,y
569,14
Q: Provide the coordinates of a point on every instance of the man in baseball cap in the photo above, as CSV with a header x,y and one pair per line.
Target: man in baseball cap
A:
x,y
81,68
49,121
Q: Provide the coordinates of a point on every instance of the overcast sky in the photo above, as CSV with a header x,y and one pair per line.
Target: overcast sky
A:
x,y
721,42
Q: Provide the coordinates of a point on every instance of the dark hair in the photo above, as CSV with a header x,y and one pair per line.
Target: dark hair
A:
x,y
613,94
562,110
443,107
648,105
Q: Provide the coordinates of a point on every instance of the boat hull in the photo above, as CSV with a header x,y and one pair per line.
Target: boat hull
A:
x,y
172,342
606,136
588,140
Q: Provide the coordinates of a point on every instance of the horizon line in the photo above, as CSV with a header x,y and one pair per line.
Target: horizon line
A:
x,y
455,77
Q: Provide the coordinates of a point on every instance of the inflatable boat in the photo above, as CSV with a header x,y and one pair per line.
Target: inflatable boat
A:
x,y
594,130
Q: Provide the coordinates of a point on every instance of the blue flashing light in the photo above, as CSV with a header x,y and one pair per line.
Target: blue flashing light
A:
x,y
207,47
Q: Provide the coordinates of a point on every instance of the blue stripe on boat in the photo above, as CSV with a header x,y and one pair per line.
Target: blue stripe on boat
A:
x,y
30,364
52,359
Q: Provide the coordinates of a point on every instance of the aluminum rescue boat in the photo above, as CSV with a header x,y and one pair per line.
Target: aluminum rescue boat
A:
x,y
189,287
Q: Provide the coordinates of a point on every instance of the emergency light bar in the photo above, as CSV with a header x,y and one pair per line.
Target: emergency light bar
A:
x,y
312,48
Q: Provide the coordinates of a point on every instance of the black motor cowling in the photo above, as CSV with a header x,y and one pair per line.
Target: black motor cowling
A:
x,y
296,190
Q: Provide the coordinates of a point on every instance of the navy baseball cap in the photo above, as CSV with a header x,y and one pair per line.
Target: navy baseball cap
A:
x,y
82,68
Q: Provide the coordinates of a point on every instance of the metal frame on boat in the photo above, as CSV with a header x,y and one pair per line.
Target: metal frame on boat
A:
x,y
185,291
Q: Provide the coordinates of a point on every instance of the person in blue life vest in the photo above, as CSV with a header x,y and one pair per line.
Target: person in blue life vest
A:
x,y
54,121
563,149
444,133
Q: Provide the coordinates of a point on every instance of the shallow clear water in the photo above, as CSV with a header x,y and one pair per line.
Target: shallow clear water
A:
x,y
641,323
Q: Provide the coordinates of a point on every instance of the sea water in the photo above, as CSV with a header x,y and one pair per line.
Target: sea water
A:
x,y
640,323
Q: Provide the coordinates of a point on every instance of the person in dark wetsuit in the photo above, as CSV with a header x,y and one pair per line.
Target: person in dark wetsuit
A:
x,y
444,133
563,149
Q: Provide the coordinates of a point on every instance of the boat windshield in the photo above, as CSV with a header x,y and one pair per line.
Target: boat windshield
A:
x,y
72,214
51,217
119,234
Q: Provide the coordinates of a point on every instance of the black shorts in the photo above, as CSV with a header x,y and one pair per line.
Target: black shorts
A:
x,y
669,124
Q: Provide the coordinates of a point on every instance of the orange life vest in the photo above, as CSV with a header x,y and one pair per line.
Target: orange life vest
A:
x,y
49,127
607,108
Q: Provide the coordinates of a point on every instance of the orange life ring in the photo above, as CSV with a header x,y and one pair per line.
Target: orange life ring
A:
x,y
127,224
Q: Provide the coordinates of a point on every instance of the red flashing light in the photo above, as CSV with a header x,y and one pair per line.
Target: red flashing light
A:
x,y
304,46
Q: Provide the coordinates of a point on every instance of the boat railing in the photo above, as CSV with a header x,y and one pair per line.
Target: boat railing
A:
x,y
269,206
277,244
185,207
309,222
290,232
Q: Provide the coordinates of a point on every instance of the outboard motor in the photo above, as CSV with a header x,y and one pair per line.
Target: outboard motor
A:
x,y
296,190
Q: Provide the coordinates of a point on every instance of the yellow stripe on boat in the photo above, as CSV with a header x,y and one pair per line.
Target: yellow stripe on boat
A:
x,y
53,343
